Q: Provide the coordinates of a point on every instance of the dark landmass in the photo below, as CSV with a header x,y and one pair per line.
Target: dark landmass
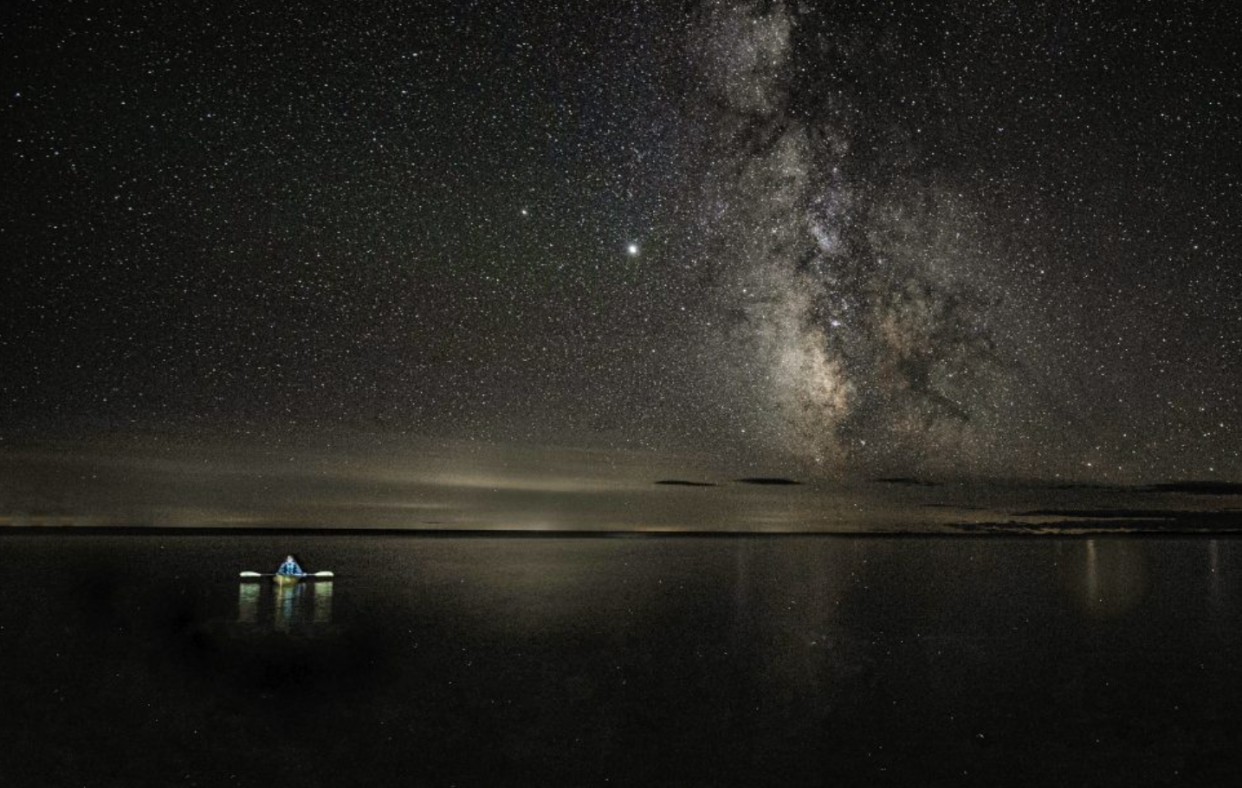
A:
x,y
1120,521
684,483
1197,488
453,533
907,481
1191,487
1114,514
774,481
1101,527
17,531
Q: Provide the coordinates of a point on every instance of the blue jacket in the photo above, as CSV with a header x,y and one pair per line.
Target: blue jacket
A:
x,y
290,567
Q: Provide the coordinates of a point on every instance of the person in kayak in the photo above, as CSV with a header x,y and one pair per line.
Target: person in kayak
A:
x,y
290,567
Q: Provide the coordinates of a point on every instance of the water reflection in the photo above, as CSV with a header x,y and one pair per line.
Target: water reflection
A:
x,y
322,608
304,608
248,603
287,598
1113,578
1216,578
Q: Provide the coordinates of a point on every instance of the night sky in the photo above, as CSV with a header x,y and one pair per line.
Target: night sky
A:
x,y
847,237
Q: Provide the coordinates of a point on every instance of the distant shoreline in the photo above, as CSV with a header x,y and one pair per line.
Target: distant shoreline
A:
x,y
1077,528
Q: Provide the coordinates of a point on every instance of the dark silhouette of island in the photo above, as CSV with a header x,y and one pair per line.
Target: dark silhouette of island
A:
x,y
684,483
1197,487
1190,487
1115,514
907,481
1152,521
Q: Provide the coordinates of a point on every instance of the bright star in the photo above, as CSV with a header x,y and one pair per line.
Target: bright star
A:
x,y
632,249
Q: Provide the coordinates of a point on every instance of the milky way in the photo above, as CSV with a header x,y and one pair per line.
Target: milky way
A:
x,y
879,319
868,341
853,238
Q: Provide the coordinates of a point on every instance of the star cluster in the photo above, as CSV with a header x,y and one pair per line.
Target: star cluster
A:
x,y
859,237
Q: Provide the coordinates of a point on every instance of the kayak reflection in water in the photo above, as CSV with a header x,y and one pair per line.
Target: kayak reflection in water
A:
x,y
290,567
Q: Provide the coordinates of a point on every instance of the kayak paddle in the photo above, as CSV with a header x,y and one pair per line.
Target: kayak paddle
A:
x,y
273,574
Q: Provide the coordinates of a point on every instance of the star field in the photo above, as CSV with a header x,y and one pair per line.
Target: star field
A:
x,y
964,238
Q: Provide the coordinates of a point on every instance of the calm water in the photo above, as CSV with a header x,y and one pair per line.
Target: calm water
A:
x,y
626,661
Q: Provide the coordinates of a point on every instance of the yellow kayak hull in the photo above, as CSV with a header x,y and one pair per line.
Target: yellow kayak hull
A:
x,y
286,580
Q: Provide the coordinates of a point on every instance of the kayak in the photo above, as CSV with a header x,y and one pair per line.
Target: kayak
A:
x,y
288,580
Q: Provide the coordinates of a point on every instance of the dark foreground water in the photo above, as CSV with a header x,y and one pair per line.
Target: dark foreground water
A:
x,y
135,660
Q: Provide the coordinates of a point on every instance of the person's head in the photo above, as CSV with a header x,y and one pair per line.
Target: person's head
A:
x,y
288,558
